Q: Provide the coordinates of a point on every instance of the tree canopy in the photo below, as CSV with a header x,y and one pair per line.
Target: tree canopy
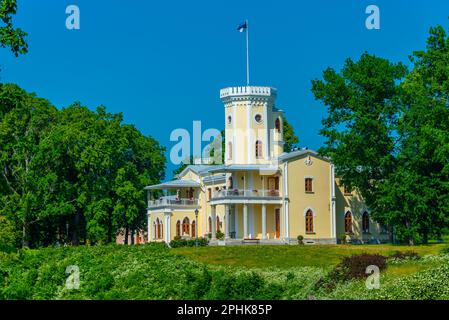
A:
x,y
11,37
72,175
387,132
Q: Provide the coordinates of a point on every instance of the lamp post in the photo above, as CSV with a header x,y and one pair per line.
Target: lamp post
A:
x,y
196,227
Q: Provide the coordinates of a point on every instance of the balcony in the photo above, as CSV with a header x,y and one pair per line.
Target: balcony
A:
x,y
173,203
245,196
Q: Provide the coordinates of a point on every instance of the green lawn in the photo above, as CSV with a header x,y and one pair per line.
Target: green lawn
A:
x,y
291,256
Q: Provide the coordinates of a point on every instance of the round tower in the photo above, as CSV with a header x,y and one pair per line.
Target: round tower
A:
x,y
253,125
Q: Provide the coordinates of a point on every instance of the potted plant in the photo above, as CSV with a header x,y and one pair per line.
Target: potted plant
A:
x,y
220,237
343,238
300,239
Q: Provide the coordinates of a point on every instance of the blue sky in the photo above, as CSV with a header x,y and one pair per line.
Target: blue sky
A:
x,y
162,63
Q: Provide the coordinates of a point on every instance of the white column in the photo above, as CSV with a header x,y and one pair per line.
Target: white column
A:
x,y
245,221
227,221
167,227
264,221
214,222
286,203
149,227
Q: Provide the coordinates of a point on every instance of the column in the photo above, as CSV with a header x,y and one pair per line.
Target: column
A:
x,y
167,227
227,220
214,222
150,227
245,221
264,221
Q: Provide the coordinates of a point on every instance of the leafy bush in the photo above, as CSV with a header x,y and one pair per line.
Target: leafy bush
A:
x,y
219,235
353,267
179,242
445,250
407,255
342,238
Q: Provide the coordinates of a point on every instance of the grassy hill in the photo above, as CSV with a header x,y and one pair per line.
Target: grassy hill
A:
x,y
156,272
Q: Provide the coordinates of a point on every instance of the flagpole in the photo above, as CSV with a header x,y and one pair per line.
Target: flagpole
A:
x,y
247,53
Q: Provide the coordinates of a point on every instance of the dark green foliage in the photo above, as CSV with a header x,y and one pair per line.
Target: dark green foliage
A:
x,y
219,235
71,175
290,139
179,242
387,133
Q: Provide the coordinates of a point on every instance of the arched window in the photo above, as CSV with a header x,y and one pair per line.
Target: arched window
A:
x,y
277,125
218,223
309,221
365,222
230,183
210,224
186,226
178,228
193,228
258,149
348,222
229,150
154,231
158,229
229,119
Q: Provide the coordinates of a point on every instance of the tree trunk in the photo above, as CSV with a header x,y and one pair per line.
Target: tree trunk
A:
x,y
75,235
25,242
125,241
132,236
425,237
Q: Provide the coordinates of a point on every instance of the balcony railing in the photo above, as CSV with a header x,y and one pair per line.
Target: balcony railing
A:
x,y
173,202
239,193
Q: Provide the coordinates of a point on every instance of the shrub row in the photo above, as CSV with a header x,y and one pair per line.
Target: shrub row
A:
x,y
179,242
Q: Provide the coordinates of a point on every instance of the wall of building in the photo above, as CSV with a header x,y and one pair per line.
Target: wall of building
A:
x,y
318,201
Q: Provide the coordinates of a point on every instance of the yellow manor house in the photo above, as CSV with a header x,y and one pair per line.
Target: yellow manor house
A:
x,y
260,194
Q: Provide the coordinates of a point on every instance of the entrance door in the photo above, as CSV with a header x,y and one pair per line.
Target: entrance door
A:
x,y
277,217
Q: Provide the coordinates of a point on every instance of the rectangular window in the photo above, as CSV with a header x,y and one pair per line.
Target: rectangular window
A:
x,y
309,184
210,193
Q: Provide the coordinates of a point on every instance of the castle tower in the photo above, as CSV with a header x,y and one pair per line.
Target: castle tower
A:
x,y
253,125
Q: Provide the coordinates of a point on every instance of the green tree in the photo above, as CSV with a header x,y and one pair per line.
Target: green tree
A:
x,y
362,117
290,139
72,175
419,189
24,122
13,38
387,132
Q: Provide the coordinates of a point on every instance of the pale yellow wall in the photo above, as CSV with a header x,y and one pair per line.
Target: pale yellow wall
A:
x,y
319,200
354,203
259,131
153,218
